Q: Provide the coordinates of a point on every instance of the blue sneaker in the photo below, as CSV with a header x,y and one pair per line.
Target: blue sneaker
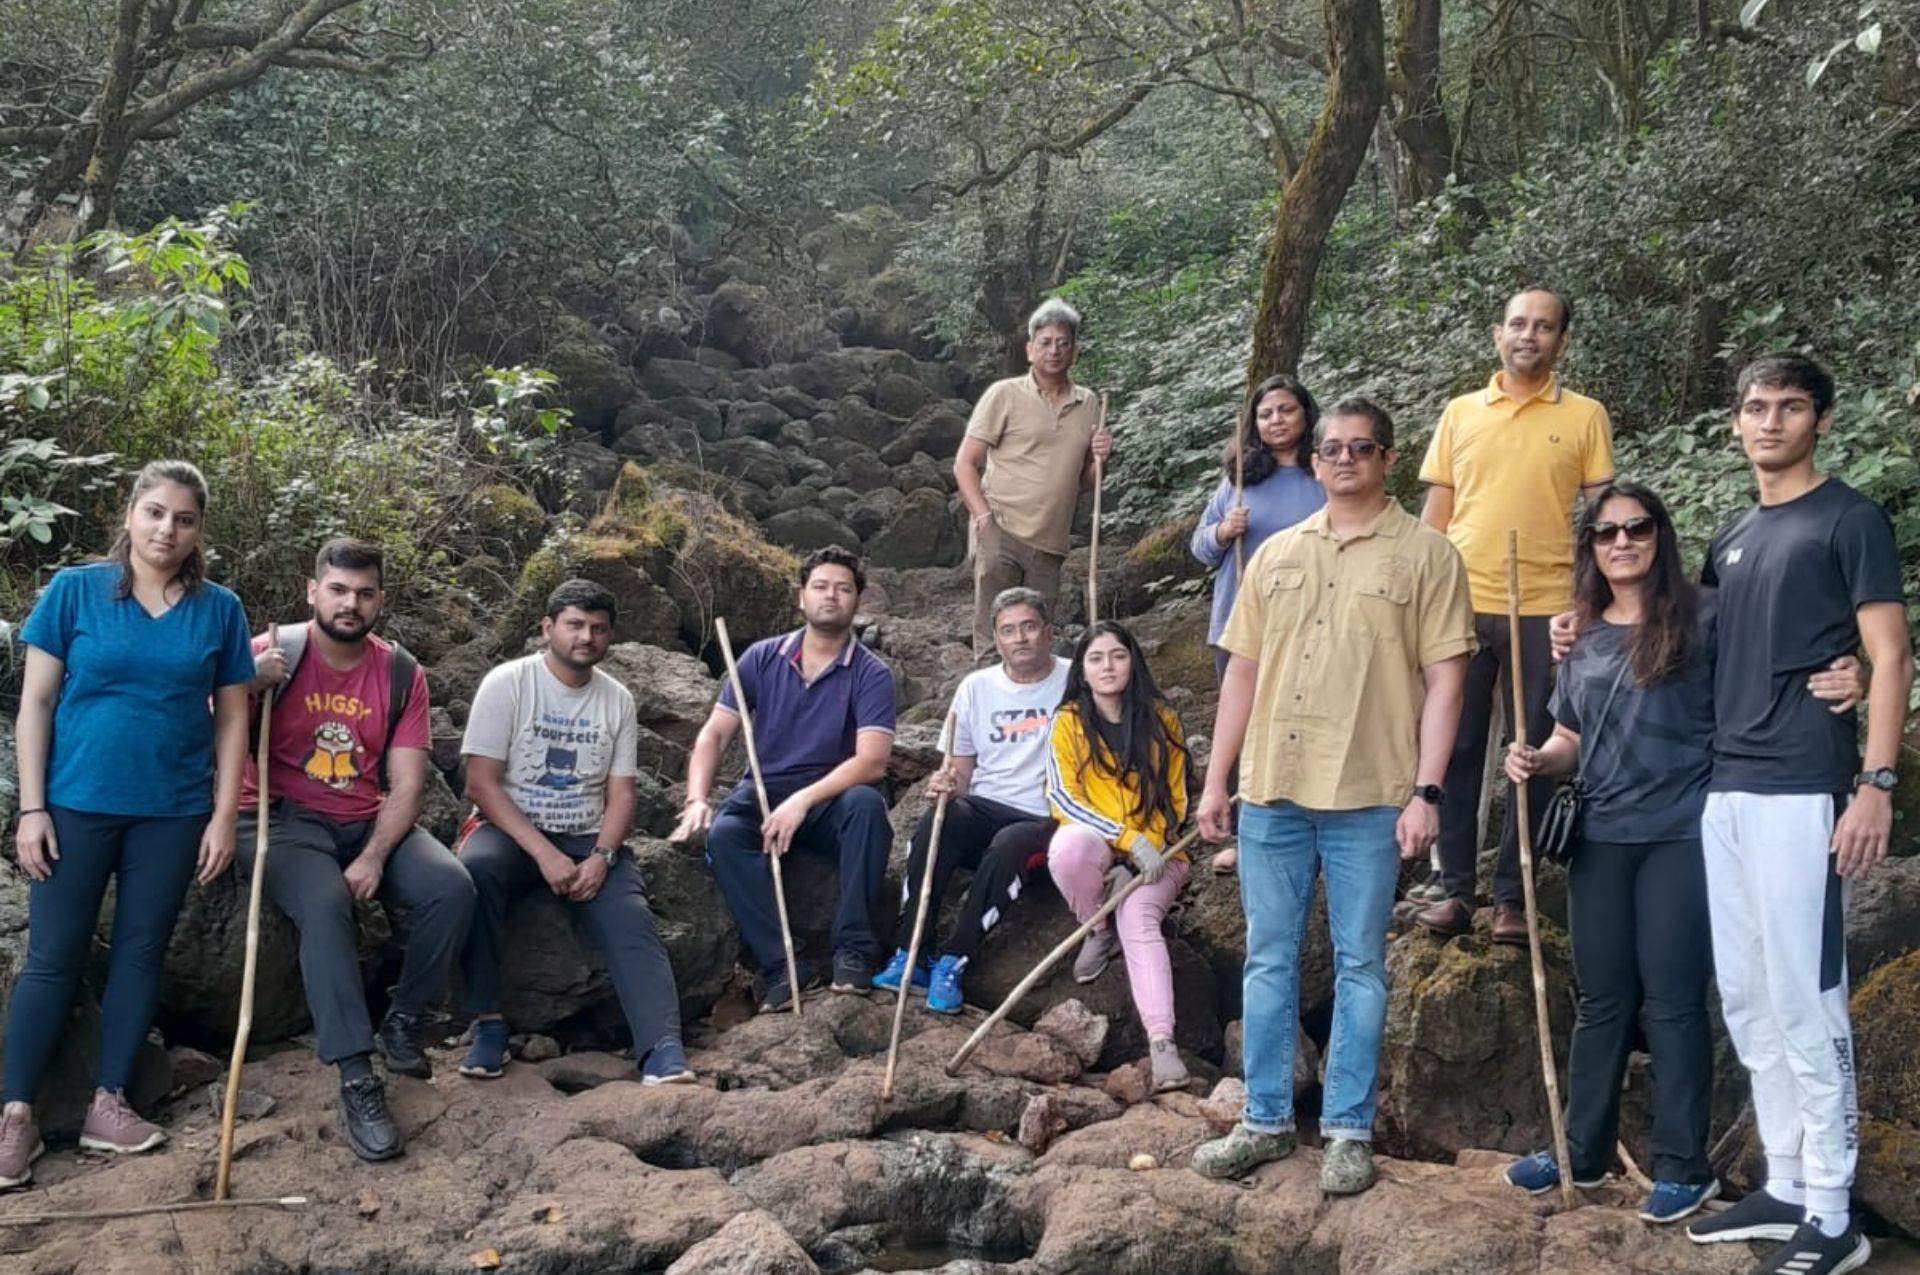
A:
x,y
666,1064
1672,1201
1538,1174
943,989
888,979
487,1057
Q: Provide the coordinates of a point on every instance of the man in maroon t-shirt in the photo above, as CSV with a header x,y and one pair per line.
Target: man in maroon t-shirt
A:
x,y
334,836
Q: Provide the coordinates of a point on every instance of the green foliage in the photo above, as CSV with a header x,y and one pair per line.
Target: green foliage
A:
x,y
118,342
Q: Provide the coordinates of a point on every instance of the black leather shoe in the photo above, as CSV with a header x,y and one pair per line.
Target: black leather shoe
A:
x,y
400,1041
363,1113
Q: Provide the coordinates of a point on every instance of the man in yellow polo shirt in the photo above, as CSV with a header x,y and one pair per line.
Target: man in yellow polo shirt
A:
x,y
1347,646
1036,436
1512,456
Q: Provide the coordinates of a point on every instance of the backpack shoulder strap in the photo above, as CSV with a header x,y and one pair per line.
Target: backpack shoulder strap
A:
x,y
291,638
399,690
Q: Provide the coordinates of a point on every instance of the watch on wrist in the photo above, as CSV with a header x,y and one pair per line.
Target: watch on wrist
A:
x,y
609,853
1429,793
1885,778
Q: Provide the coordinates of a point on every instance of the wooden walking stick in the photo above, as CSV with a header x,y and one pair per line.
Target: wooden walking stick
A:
x,y
1239,501
147,1210
766,812
1525,828
1053,958
1093,539
920,914
230,1109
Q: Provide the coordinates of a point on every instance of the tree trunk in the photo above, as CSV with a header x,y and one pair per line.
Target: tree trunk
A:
x,y
1419,119
1356,91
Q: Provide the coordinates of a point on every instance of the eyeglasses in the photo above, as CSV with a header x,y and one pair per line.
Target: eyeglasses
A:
x,y
1639,530
1358,448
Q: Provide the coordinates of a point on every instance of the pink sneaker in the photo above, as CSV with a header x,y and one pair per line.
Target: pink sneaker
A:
x,y
20,1146
113,1126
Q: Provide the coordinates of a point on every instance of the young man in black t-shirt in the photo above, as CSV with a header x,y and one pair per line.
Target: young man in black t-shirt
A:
x,y
1810,573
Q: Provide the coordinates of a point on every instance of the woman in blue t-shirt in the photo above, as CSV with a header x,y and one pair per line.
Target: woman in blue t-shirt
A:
x,y
1633,712
1273,446
125,774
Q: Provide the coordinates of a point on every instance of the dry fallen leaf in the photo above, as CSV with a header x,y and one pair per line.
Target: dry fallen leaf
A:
x,y
1142,1161
368,1204
487,1259
994,1135
549,1213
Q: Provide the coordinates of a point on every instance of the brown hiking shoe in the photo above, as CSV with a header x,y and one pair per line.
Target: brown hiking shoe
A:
x,y
20,1146
1509,925
1448,918
113,1126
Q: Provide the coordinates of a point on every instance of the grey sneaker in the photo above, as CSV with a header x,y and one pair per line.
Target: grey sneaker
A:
x,y
1168,1071
1347,1167
114,1126
1096,954
20,1146
1241,1152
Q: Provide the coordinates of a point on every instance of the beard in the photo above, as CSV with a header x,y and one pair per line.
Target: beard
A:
x,y
341,635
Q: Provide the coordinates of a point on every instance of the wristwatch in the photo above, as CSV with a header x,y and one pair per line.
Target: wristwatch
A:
x,y
609,853
1885,779
1429,793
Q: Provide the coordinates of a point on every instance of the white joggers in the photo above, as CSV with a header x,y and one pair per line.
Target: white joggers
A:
x,y
1779,952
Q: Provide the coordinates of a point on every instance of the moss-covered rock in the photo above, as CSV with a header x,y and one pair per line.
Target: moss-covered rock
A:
x,y
1155,563
594,380
608,557
1886,1022
507,517
724,567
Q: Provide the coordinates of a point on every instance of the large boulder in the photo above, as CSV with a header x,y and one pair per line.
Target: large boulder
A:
x,y
854,420
808,527
923,471
1880,916
1213,921
763,421
1460,1064
753,461
619,556
935,429
900,395
594,380
921,533
746,320
672,692
1886,1022
1151,565
679,378
66,1086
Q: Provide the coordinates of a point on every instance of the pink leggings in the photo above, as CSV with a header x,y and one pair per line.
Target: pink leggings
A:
x,y
1079,861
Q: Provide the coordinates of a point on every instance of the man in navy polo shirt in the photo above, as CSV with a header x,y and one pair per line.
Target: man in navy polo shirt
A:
x,y
822,708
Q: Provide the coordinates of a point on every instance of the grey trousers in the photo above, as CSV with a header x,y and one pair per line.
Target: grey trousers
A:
x,y
306,857
1001,561
617,919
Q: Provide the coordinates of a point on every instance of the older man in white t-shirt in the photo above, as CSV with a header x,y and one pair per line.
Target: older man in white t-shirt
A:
x,y
550,751
997,820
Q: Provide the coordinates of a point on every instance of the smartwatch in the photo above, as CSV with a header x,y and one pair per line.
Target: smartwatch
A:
x,y
1429,793
1885,779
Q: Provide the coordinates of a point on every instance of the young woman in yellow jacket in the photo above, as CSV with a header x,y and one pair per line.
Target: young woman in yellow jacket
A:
x,y
1117,784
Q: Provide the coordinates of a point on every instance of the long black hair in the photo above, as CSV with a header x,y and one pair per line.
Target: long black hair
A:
x,y
1139,743
182,474
1259,461
1663,641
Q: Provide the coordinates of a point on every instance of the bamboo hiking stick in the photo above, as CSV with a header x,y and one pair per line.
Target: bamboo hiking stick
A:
x,y
183,1206
243,1030
1239,501
766,812
1053,958
919,915
1093,540
1542,1020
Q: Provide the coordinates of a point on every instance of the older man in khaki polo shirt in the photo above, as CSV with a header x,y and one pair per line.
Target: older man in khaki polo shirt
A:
x,y
1036,436
1348,649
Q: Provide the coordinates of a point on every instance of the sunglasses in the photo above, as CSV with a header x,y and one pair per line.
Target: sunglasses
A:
x,y
1358,448
1639,530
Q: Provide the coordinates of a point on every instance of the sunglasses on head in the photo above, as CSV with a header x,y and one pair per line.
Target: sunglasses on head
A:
x,y
1639,529
1358,448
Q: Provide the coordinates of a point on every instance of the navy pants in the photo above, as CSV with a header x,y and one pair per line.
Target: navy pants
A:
x,y
852,828
616,918
151,860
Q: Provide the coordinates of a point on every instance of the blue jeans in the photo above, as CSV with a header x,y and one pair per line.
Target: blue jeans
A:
x,y
1282,847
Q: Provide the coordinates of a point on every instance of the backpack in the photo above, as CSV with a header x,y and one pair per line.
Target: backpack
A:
x,y
292,638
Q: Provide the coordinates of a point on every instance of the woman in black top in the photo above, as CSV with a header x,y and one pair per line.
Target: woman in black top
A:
x,y
1633,708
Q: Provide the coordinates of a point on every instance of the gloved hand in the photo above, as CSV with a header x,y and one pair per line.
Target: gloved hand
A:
x,y
1117,877
1147,861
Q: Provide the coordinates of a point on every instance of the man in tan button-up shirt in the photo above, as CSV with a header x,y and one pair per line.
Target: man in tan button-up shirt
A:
x,y
1348,649
1036,436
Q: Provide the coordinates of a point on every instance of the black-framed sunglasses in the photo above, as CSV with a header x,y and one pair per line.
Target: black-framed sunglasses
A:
x,y
1639,530
1358,448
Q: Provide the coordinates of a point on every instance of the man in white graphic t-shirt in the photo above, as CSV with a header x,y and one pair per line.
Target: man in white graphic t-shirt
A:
x,y
997,820
550,751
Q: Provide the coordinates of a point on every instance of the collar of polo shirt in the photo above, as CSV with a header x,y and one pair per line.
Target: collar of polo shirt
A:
x,y
790,649
1549,393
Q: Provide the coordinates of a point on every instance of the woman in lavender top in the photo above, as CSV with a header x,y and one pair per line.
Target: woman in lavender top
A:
x,y
1273,442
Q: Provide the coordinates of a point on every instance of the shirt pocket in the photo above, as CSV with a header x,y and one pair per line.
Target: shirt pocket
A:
x,y
1381,598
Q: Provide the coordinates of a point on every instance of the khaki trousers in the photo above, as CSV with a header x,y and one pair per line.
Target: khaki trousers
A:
x,y
1001,561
